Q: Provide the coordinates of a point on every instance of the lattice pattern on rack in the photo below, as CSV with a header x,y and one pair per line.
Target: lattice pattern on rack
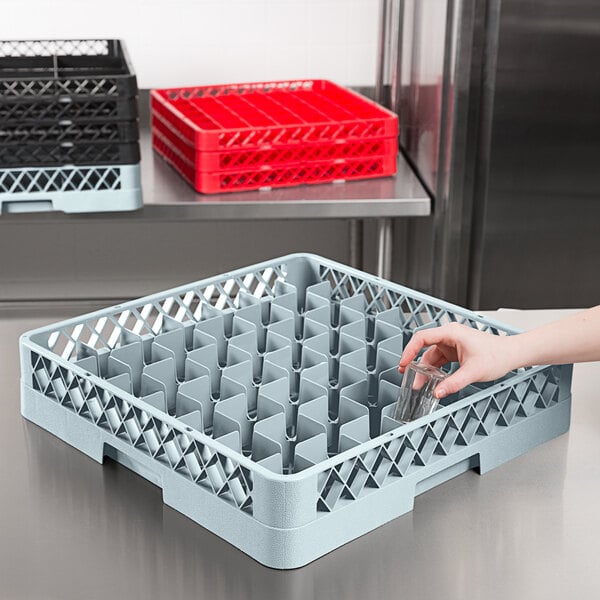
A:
x,y
68,131
358,476
59,179
172,446
288,154
148,318
278,176
419,313
266,87
72,110
68,153
302,134
35,88
16,48
305,173
304,153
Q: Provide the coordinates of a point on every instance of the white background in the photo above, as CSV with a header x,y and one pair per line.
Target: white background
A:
x,y
195,42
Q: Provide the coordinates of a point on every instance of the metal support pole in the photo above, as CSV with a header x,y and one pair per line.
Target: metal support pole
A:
x,y
382,51
356,243
397,19
384,248
389,58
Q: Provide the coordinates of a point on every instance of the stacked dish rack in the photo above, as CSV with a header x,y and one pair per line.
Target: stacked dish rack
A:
x,y
264,135
69,136
261,402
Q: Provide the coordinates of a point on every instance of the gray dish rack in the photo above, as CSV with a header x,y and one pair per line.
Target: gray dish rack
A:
x,y
261,402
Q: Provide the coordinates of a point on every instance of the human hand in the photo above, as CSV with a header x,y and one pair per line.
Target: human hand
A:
x,y
482,356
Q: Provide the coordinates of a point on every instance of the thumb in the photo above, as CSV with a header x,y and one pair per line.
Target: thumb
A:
x,y
457,381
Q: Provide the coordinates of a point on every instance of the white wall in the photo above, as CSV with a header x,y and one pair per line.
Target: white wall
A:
x,y
189,42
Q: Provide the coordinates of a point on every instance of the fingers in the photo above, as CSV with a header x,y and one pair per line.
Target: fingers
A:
x,y
449,335
456,382
445,341
434,357
426,337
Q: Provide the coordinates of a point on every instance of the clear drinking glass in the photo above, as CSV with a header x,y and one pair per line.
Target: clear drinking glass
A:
x,y
416,397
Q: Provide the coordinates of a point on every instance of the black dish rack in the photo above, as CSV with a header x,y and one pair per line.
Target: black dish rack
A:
x,y
67,102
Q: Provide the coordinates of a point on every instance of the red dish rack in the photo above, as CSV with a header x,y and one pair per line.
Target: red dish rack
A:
x,y
272,134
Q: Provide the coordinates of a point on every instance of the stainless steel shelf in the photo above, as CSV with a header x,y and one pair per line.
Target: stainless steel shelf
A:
x,y
167,195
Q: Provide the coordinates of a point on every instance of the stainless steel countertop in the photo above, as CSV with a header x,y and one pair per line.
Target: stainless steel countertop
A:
x,y
71,528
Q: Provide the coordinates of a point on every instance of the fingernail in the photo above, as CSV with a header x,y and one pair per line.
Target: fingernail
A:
x,y
440,393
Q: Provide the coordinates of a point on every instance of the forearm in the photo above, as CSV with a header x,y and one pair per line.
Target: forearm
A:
x,y
573,339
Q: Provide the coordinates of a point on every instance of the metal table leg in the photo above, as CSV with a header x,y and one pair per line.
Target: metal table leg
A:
x,y
384,248
356,243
